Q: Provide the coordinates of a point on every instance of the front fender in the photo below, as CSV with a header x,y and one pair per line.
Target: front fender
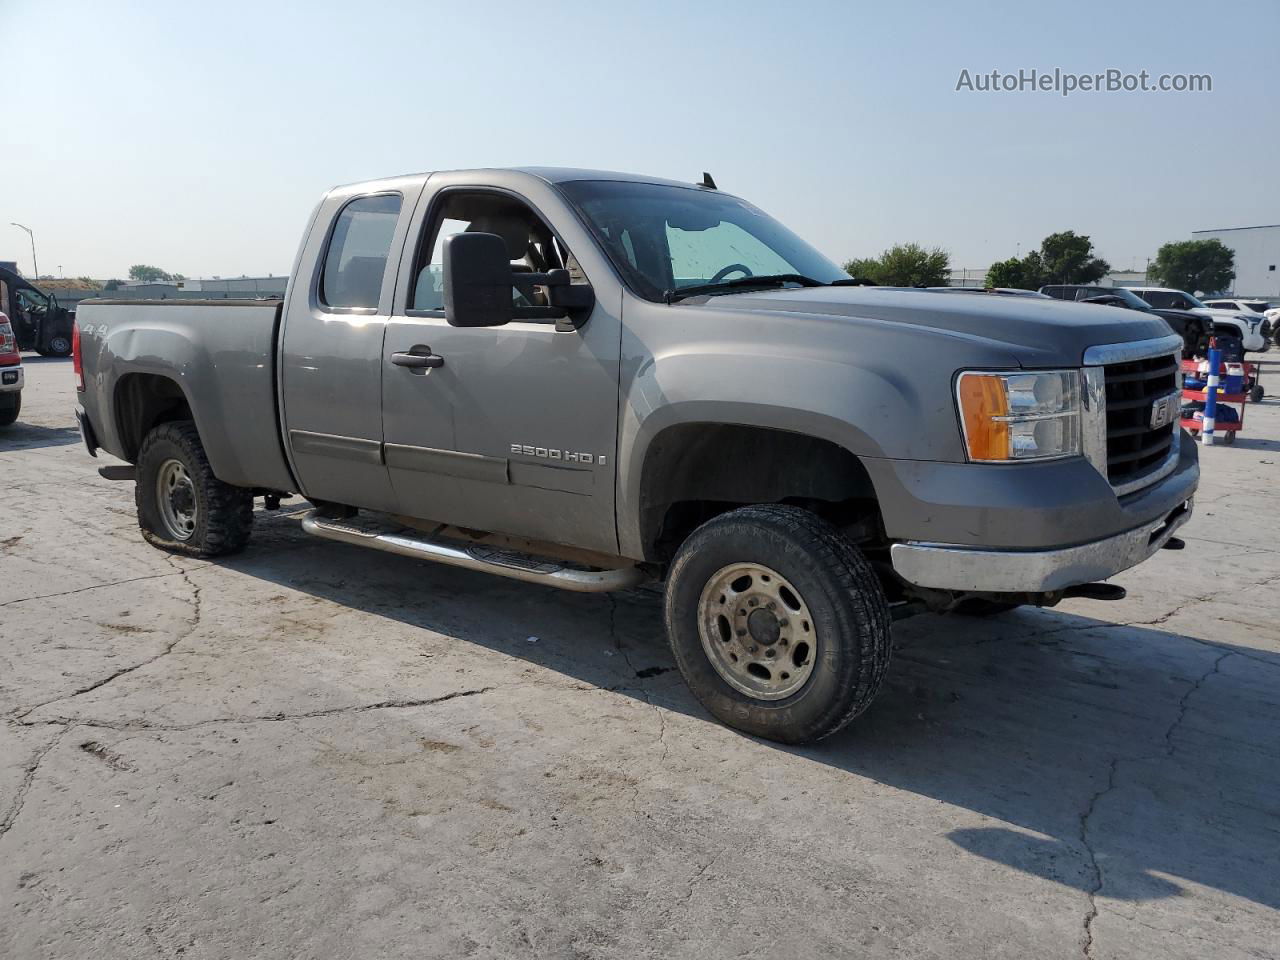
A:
x,y
871,411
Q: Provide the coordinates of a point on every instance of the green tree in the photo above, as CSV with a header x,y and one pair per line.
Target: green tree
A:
x,y
147,273
1197,266
1068,258
865,268
904,265
112,284
1024,274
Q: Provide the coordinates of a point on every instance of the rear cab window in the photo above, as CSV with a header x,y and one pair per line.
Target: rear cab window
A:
x,y
355,260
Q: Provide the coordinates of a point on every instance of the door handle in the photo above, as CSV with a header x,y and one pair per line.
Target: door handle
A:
x,y
417,360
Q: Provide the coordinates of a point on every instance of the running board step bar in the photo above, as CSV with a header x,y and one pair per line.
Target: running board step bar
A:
x,y
362,532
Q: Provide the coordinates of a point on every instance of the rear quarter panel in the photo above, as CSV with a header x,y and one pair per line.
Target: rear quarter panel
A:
x,y
220,353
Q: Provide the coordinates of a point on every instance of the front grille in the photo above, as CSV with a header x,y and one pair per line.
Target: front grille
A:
x,y
1133,448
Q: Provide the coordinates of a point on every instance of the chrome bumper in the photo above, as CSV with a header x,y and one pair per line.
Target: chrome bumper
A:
x,y
950,567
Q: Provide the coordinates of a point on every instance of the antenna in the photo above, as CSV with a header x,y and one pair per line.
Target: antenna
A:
x,y
707,181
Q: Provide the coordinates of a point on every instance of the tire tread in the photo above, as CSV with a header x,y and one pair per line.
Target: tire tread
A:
x,y
856,581
229,509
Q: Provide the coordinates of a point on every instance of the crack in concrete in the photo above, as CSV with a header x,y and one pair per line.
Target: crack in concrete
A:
x,y
193,624
33,767
96,586
145,725
1092,893
1169,748
633,672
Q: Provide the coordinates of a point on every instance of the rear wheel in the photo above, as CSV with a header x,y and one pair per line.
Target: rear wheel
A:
x,y
1256,393
777,623
182,506
10,407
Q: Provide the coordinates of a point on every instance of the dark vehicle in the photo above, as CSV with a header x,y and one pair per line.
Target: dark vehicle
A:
x,y
1192,327
38,321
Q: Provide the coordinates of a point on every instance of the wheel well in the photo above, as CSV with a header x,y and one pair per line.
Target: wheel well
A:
x,y
1225,329
693,472
143,400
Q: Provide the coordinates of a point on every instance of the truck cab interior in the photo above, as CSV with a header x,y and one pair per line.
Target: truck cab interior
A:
x,y
531,246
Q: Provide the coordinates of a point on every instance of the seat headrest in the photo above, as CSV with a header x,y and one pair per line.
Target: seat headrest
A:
x,y
511,227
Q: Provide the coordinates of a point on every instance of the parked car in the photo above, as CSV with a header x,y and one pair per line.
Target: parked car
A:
x,y
1264,307
1253,330
1193,328
38,321
10,374
587,380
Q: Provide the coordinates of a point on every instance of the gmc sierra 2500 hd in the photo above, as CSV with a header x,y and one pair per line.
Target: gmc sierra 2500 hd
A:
x,y
587,379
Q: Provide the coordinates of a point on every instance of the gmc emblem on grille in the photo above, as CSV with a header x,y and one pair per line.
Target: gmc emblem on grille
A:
x,y
1164,410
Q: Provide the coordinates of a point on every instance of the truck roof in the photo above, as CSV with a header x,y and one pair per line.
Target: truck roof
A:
x,y
548,174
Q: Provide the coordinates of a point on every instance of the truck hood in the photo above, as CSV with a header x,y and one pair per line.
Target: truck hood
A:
x,y
1033,332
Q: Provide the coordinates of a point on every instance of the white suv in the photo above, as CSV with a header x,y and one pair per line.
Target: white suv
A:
x,y
1253,329
1257,306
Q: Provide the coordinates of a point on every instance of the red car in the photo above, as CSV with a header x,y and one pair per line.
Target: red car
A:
x,y
10,374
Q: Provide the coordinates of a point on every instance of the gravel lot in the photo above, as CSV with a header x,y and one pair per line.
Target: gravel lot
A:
x,y
315,751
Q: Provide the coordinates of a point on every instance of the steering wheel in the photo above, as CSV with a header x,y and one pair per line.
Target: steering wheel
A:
x,y
731,268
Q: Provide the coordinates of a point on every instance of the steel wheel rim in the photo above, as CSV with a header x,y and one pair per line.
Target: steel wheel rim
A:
x,y
756,631
176,495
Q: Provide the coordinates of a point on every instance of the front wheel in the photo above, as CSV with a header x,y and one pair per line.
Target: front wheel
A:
x,y
777,623
182,506
10,407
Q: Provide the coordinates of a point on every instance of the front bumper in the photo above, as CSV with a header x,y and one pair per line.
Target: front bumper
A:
x,y
948,567
11,379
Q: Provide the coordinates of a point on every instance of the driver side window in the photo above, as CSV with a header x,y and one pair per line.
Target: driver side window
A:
x,y
530,245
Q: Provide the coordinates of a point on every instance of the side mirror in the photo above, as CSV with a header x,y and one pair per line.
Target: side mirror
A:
x,y
477,280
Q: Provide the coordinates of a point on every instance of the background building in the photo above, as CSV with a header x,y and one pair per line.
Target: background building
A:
x,y
1257,251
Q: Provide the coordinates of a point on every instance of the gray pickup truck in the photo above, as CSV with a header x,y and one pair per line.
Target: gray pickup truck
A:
x,y
587,380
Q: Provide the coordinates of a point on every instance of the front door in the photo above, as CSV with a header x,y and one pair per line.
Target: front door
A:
x,y
514,431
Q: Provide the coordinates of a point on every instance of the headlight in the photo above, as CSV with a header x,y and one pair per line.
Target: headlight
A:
x,y
1020,416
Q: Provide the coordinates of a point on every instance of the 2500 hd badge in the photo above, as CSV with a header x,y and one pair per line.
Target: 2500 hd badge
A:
x,y
551,453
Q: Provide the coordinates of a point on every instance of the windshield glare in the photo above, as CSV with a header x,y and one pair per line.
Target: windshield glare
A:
x,y
664,238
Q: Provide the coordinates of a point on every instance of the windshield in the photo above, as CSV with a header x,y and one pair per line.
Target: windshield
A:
x,y
1134,301
33,302
1171,300
663,238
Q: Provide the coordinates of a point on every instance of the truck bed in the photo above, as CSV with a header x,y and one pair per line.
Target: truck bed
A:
x,y
219,355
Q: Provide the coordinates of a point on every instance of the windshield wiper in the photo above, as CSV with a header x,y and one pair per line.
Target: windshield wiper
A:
x,y
765,280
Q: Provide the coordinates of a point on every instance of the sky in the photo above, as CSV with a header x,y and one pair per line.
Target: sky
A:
x,y
198,137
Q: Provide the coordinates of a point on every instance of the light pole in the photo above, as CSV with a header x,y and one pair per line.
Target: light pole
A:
x,y
34,265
